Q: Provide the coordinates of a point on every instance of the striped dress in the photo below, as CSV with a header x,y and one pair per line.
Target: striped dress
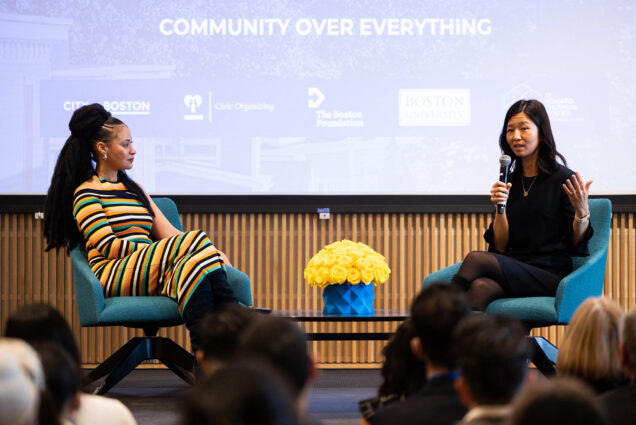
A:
x,y
116,228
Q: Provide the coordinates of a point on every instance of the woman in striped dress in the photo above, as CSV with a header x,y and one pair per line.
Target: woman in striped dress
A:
x,y
132,248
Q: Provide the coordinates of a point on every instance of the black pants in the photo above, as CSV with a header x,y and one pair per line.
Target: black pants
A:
x,y
212,294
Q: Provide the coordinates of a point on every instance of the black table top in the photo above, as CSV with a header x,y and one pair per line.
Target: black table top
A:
x,y
379,315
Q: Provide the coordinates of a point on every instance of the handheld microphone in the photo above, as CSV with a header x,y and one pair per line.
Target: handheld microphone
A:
x,y
504,166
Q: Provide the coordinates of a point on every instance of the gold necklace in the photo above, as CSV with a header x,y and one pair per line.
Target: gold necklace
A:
x,y
525,192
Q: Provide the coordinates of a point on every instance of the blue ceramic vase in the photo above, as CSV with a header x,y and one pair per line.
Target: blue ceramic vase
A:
x,y
346,298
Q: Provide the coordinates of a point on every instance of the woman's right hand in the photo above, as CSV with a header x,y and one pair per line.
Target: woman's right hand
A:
x,y
499,192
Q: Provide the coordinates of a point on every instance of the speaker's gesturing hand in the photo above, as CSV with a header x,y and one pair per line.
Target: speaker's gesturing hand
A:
x,y
578,193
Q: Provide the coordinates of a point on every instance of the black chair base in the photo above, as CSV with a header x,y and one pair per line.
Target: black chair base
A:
x,y
544,355
137,350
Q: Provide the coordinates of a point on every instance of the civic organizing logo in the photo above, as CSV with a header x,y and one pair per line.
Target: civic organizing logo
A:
x,y
193,102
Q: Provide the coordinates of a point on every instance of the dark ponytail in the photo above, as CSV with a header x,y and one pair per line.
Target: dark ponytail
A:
x,y
74,166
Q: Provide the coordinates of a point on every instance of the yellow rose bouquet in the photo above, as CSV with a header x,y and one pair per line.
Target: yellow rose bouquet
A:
x,y
346,261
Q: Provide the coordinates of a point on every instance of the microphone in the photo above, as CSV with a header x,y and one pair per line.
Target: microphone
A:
x,y
504,165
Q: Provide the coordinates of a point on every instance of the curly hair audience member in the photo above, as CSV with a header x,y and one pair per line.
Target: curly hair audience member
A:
x,y
590,347
402,373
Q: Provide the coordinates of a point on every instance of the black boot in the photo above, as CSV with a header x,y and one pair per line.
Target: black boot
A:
x,y
221,290
201,303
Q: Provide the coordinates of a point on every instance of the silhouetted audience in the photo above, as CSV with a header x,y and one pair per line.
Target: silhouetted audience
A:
x,y
620,403
21,383
243,393
492,354
556,402
38,323
219,335
282,344
590,347
435,314
402,373
63,380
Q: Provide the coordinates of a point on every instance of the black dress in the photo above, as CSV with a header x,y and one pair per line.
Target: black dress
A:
x,y
540,246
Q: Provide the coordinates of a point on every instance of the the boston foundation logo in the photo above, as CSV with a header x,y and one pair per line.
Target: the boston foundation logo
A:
x,y
434,107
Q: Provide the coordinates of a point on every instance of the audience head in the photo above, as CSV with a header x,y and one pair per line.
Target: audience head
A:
x,y
39,323
628,348
590,348
557,401
435,312
241,394
282,343
62,377
403,373
219,334
492,354
21,382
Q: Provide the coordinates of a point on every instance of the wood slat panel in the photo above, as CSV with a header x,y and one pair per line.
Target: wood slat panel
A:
x,y
273,250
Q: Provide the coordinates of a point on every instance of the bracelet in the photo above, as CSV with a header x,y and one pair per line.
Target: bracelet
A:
x,y
583,219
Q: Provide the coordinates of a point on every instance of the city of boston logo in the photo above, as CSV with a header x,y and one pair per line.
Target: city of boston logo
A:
x,y
193,102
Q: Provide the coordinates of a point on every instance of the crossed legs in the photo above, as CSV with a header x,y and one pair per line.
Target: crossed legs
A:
x,y
479,275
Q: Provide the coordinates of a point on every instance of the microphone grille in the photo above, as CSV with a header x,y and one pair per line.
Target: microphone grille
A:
x,y
504,160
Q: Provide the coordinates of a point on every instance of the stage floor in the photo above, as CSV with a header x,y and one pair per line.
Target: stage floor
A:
x,y
153,395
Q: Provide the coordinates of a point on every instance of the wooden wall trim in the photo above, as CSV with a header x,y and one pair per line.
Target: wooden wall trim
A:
x,y
273,248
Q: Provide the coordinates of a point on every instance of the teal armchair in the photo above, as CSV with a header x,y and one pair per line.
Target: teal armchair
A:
x,y
148,313
586,280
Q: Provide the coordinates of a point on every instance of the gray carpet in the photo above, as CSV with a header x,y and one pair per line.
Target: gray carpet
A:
x,y
153,395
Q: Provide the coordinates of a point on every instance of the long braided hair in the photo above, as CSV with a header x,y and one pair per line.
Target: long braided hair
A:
x,y
89,124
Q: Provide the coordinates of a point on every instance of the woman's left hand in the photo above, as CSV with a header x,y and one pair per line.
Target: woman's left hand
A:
x,y
578,193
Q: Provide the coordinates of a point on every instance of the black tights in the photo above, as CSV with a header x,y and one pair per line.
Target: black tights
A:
x,y
479,275
213,293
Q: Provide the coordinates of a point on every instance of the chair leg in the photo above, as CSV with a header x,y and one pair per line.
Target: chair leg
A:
x,y
544,355
137,350
114,360
141,352
168,350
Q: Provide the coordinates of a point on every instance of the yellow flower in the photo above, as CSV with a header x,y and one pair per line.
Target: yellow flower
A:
x,y
346,261
380,273
366,276
330,260
353,276
363,263
338,274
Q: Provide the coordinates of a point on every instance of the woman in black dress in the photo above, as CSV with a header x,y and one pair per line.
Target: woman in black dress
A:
x,y
546,220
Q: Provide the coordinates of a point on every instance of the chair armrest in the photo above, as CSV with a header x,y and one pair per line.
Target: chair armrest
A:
x,y
89,292
582,283
240,284
444,275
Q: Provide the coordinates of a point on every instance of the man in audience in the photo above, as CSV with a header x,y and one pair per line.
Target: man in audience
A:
x,y
619,403
435,313
219,334
492,355
283,344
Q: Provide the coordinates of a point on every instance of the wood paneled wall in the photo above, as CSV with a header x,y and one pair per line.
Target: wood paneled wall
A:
x,y
273,250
